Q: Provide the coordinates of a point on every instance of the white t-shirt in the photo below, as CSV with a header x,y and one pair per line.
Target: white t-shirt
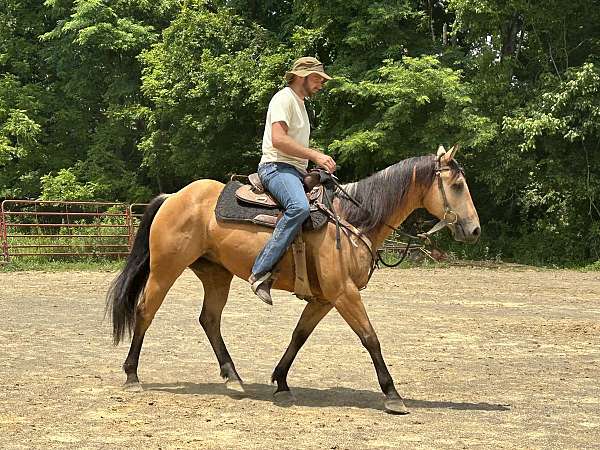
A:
x,y
286,106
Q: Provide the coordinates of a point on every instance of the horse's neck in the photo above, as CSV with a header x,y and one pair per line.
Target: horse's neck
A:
x,y
412,200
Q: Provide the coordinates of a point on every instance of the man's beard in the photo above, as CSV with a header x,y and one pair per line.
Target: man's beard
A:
x,y
306,88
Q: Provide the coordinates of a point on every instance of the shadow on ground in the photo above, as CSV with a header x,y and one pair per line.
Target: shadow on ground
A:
x,y
312,397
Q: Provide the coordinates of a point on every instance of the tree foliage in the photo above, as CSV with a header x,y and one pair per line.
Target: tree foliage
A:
x,y
120,100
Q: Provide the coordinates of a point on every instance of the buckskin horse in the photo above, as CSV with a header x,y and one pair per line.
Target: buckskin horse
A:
x,y
180,230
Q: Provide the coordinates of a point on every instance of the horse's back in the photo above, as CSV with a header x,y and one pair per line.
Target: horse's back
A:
x,y
200,191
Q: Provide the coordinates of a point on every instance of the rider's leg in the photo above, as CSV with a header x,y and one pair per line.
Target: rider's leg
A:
x,y
284,182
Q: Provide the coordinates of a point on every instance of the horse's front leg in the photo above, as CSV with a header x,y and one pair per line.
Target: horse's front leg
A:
x,y
311,316
351,308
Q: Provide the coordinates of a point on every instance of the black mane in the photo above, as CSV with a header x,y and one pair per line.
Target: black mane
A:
x,y
383,192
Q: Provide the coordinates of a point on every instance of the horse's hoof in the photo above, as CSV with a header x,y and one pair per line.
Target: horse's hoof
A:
x,y
396,406
285,397
133,387
235,385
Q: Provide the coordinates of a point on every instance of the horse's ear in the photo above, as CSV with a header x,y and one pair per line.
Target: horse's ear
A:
x,y
449,155
441,151
453,150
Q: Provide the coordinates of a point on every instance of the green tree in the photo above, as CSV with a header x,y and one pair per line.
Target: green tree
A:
x,y
209,82
25,100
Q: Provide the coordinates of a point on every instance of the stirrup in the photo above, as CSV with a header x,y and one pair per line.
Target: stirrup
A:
x,y
262,287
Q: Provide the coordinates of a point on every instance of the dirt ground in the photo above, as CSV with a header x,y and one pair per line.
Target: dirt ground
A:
x,y
485,358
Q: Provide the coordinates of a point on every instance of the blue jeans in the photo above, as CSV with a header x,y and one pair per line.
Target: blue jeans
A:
x,y
284,182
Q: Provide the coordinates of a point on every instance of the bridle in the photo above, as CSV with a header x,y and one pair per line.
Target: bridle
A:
x,y
450,216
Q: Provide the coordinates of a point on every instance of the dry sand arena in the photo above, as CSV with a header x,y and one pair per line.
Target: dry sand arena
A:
x,y
485,358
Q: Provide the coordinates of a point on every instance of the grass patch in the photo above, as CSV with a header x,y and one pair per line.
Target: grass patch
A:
x,y
81,264
593,267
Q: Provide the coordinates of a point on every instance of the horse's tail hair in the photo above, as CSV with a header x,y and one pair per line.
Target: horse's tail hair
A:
x,y
125,290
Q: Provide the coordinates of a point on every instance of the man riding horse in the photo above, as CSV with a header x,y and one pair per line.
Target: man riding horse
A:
x,y
181,230
285,157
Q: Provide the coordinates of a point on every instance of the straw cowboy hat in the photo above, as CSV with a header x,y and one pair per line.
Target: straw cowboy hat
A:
x,y
303,67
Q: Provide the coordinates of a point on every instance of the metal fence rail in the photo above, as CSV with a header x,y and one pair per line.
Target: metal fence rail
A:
x,y
67,229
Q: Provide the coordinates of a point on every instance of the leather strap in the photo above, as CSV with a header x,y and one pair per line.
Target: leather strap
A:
x,y
301,282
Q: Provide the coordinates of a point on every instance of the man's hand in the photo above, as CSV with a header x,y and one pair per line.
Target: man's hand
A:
x,y
284,143
325,161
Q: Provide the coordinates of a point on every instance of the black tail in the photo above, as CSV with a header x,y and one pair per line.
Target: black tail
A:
x,y
125,290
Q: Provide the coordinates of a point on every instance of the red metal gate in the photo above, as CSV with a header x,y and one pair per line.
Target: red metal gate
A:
x,y
67,229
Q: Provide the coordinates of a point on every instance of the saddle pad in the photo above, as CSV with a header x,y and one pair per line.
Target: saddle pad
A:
x,y
230,209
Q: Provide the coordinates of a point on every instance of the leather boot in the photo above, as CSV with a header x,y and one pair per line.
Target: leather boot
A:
x,y
261,286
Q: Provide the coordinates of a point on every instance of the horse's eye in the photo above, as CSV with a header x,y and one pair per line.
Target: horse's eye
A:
x,y
458,187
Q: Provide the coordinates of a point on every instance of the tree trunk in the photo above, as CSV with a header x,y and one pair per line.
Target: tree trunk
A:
x,y
445,34
430,4
509,36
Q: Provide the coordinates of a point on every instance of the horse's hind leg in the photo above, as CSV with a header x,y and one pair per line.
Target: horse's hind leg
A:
x,y
311,316
216,281
154,293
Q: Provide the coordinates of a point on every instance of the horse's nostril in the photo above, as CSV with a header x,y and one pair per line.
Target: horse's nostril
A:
x,y
476,231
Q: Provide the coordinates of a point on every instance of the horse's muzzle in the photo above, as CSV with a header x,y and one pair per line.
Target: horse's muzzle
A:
x,y
468,232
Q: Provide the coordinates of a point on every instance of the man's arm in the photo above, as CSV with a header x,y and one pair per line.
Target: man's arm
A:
x,y
287,145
